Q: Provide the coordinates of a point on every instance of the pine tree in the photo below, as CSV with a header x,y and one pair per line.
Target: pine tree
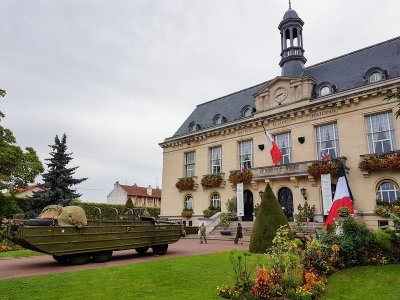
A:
x,y
269,218
57,180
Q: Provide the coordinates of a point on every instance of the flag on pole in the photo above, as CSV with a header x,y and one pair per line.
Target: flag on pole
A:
x,y
343,197
276,154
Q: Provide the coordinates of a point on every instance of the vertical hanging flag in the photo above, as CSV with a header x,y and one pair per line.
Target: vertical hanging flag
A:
x,y
276,154
343,197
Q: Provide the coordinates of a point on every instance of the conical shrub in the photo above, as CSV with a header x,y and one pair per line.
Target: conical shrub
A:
x,y
269,218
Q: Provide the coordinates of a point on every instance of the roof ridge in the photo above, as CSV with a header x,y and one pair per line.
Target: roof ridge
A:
x,y
237,92
350,53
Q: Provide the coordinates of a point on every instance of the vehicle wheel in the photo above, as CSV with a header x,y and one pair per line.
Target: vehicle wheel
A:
x,y
102,256
62,259
160,249
141,250
40,222
79,259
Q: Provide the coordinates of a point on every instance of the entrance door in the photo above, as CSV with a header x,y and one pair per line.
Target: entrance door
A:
x,y
248,206
285,198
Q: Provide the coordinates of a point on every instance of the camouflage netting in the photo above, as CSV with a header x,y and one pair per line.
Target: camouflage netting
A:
x,y
65,216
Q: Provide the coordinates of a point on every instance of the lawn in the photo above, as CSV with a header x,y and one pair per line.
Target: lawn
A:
x,y
194,277
18,254
380,282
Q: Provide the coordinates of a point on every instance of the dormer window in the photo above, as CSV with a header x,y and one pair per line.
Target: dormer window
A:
x,y
247,111
325,88
218,119
375,74
193,126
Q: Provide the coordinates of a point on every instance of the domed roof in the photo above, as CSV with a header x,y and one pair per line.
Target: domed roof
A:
x,y
290,14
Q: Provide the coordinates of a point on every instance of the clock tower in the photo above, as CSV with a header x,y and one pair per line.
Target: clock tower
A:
x,y
292,54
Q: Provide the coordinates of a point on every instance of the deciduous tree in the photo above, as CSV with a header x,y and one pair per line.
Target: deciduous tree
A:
x,y
17,167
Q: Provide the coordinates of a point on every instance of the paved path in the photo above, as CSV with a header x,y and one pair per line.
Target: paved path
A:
x,y
39,265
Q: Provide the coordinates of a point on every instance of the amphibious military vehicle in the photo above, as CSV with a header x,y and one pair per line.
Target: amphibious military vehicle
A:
x,y
66,234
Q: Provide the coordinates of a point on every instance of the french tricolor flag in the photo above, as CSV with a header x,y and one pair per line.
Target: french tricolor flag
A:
x,y
276,154
343,197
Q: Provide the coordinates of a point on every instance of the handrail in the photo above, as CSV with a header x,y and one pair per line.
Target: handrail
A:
x,y
98,208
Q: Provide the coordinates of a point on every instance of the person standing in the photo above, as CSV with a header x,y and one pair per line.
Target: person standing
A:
x,y
239,234
202,230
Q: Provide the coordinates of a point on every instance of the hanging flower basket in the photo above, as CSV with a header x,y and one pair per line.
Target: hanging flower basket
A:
x,y
237,177
211,180
380,162
324,167
185,184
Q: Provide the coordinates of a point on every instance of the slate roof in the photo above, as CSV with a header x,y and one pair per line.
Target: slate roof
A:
x,y
345,72
290,14
133,190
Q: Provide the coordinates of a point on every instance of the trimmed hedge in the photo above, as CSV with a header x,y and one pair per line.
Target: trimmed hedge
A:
x,y
107,210
269,218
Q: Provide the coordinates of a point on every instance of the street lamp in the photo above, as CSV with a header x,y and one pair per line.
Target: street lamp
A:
x,y
304,193
261,194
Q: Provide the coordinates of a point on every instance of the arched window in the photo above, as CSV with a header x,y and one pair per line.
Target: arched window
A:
x,y
375,77
247,111
218,119
375,74
388,192
188,204
325,90
215,200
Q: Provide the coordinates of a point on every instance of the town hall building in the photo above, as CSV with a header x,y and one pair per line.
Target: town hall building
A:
x,y
321,115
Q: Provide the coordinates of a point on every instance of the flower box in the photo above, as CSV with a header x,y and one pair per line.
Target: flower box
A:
x,y
187,213
185,184
324,167
238,177
387,161
211,181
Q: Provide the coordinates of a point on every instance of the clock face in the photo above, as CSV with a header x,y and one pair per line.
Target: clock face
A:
x,y
280,95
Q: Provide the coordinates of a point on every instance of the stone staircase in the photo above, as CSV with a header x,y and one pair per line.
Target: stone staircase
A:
x,y
311,229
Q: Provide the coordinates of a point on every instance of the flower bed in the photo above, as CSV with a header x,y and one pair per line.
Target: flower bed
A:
x,y
185,184
211,180
238,177
380,162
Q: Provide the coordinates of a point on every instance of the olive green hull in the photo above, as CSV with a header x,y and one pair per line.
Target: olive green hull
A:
x,y
104,236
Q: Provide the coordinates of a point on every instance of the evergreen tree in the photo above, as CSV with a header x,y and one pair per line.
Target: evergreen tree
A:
x,y
269,218
57,180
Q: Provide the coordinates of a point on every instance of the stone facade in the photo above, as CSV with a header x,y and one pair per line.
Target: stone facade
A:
x,y
284,105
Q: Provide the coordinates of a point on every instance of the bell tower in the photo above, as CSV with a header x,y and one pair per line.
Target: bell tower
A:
x,y
292,52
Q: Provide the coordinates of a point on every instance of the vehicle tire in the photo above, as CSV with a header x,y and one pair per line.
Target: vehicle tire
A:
x,y
160,249
79,259
62,259
102,256
141,250
40,222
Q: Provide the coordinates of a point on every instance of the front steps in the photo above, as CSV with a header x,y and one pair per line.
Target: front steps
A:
x,y
307,229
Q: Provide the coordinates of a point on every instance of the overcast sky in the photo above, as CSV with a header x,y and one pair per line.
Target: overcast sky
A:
x,y
118,77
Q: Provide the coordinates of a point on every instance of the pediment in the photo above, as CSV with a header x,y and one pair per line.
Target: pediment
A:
x,y
282,91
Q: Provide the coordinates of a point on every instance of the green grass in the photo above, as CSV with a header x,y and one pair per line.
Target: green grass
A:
x,y
193,277
18,254
372,282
